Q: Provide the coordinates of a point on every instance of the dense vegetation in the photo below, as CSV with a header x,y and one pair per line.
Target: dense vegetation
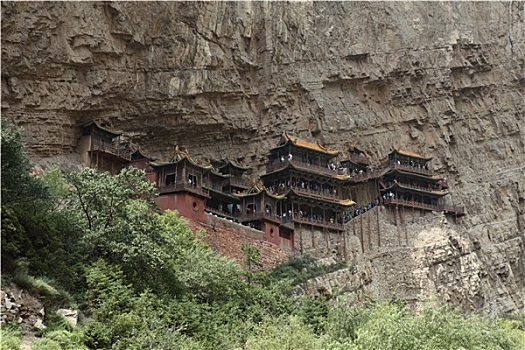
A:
x,y
143,280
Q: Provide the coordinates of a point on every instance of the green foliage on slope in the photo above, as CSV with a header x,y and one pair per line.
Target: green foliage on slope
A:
x,y
145,281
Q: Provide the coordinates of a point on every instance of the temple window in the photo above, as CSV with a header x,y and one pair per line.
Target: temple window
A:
x,y
170,180
192,180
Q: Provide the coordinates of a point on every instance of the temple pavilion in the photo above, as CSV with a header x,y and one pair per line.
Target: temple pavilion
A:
x,y
103,149
409,182
306,174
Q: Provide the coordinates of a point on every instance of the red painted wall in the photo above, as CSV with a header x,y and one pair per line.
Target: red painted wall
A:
x,y
188,205
271,233
226,238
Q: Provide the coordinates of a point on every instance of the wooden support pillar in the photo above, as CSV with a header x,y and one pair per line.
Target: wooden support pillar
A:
x,y
406,235
301,247
378,227
345,255
312,230
362,238
208,182
397,226
369,233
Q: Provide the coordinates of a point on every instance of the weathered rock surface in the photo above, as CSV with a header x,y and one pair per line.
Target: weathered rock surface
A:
x,y
225,79
19,307
69,315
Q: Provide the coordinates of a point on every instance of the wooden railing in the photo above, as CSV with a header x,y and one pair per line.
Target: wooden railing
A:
x,y
222,213
328,195
363,177
322,223
239,182
393,165
182,187
99,145
258,215
276,165
315,168
415,187
447,209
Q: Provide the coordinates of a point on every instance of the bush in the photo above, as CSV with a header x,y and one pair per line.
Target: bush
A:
x,y
287,333
10,338
301,269
60,340
395,326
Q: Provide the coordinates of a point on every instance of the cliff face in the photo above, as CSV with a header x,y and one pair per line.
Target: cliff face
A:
x,y
224,79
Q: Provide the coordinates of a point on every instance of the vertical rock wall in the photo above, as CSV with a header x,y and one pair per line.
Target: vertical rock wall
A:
x,y
225,79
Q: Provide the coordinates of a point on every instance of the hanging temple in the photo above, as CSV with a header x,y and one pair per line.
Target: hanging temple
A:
x,y
305,186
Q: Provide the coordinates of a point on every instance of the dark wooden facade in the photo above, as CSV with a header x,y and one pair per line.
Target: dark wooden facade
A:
x,y
103,149
307,176
408,181
356,164
237,176
304,185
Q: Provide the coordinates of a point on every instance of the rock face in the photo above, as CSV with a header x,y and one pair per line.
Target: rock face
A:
x,y
19,307
224,79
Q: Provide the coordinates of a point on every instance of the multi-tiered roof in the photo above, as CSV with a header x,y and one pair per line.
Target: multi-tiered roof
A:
x,y
307,174
408,181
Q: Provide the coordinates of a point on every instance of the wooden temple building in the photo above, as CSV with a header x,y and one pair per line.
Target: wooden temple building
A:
x,y
307,176
407,181
307,189
103,149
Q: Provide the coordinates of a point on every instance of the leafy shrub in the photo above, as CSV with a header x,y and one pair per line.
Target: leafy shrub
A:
x,y
60,340
287,333
395,326
97,335
301,269
10,338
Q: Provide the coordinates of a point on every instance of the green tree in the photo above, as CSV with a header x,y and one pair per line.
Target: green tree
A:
x,y
119,222
30,227
18,184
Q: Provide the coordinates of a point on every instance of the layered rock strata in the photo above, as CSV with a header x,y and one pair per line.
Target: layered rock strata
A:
x,y
224,79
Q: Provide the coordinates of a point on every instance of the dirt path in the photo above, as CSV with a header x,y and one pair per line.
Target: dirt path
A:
x,y
27,340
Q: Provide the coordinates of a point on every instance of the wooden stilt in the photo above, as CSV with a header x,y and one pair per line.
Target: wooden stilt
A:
x,y
362,240
301,238
369,233
344,246
378,228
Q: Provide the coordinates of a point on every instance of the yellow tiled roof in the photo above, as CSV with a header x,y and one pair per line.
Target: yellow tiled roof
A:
x,y
411,154
347,202
310,145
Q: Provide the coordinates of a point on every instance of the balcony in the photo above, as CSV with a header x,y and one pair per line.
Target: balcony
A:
x,y
182,188
363,177
409,168
276,165
259,215
222,213
238,182
109,148
321,223
454,209
327,195
432,190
